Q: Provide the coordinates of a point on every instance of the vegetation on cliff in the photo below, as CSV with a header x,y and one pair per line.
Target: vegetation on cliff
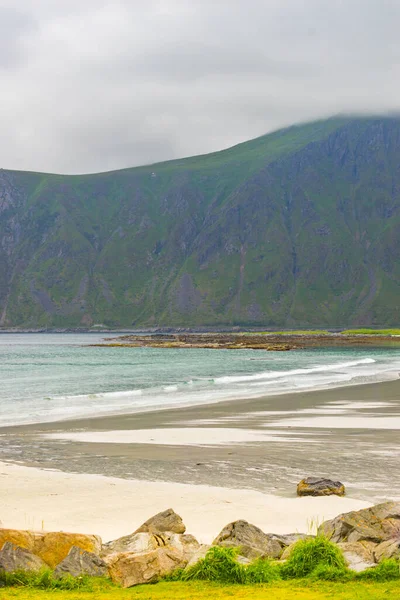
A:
x,y
295,229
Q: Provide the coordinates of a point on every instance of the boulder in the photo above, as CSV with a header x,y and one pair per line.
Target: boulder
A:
x,y
128,569
319,486
358,555
140,543
387,549
135,542
51,547
184,543
198,555
14,558
167,520
376,524
79,562
23,539
288,539
252,541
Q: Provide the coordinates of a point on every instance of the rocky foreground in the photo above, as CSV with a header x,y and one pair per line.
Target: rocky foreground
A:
x,y
161,545
242,341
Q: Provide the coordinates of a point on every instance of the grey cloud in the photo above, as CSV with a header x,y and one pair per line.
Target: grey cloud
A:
x,y
14,25
90,86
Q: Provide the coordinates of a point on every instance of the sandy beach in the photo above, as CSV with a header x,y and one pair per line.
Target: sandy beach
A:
x,y
266,444
212,463
110,507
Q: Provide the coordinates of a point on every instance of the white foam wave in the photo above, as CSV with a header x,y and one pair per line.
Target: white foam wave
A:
x,y
268,375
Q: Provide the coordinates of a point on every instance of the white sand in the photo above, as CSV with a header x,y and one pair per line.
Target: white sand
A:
x,y
357,422
41,499
170,436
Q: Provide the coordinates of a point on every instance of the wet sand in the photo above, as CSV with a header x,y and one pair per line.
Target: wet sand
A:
x,y
265,444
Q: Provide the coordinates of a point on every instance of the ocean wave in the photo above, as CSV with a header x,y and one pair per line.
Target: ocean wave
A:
x,y
268,375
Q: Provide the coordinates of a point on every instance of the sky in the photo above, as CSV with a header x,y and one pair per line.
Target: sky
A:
x,y
88,86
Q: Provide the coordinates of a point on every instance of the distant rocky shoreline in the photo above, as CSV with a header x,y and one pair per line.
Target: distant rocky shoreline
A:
x,y
252,341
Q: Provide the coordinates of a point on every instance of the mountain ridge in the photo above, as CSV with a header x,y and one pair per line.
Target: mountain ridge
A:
x,y
295,228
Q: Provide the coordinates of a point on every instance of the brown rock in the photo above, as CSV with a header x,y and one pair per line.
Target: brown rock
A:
x,y
184,543
14,558
135,542
79,562
140,543
376,524
51,547
23,539
250,539
319,486
129,569
167,520
387,549
358,555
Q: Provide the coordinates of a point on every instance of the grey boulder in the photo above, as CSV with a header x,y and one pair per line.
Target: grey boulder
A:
x,y
14,558
80,562
377,524
253,542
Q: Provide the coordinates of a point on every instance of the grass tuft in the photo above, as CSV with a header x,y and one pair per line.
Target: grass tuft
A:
x,y
219,564
309,554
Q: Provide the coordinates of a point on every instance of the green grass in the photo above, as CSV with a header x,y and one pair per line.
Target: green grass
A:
x,y
298,332
220,565
44,580
202,590
371,332
312,557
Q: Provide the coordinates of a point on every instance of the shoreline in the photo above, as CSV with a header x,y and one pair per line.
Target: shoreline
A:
x,y
254,444
230,403
50,500
390,377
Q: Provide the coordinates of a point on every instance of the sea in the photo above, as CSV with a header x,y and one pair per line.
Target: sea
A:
x,y
54,377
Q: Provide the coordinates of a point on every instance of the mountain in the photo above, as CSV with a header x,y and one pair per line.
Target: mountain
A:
x,y
300,227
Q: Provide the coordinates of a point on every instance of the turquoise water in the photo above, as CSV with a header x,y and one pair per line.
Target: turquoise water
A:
x,y
50,377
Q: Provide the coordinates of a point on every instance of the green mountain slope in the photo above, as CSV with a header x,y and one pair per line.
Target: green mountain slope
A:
x,y
296,228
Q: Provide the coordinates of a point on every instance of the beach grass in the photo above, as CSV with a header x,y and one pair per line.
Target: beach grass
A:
x,y
201,590
296,332
371,332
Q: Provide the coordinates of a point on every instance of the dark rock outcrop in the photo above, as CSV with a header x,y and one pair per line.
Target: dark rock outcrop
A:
x,y
14,558
79,562
320,486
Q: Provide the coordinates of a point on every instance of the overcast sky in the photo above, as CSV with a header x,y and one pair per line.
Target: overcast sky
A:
x,y
87,85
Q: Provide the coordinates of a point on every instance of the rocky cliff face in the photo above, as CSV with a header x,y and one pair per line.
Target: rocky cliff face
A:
x,y
297,228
